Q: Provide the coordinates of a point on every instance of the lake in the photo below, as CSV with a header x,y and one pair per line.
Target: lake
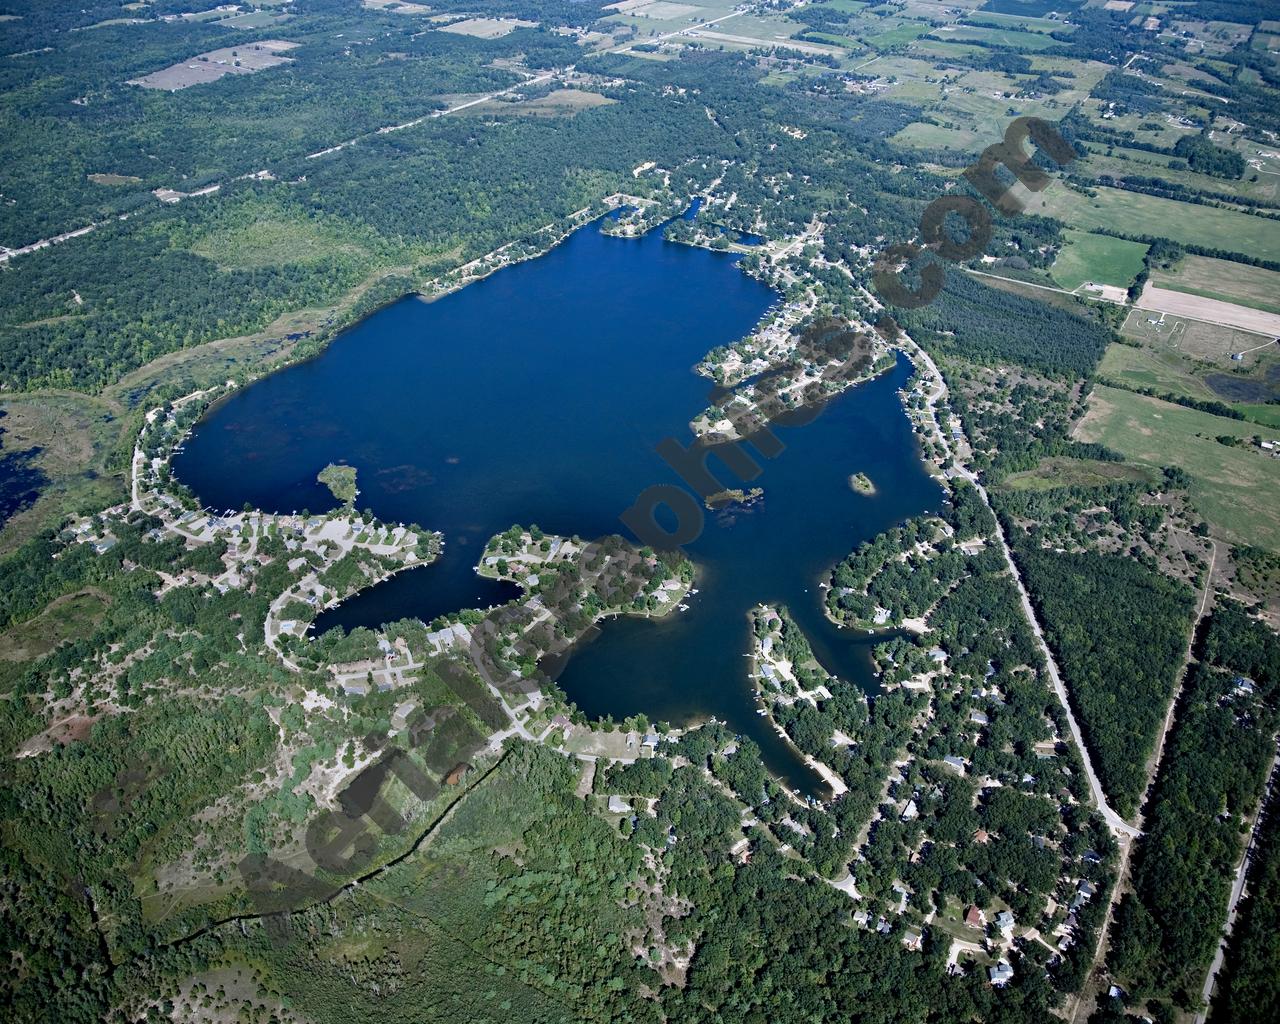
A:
x,y
537,395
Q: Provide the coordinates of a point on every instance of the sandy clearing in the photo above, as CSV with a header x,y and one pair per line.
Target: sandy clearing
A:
x,y
1215,311
1089,426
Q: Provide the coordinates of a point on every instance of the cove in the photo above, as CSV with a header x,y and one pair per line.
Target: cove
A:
x,y
537,395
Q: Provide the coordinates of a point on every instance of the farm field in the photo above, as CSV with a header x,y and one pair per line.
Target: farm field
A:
x,y
658,17
1010,38
1132,213
487,28
1246,318
244,59
1118,162
1169,372
1223,280
1097,258
1233,487
1016,21
932,136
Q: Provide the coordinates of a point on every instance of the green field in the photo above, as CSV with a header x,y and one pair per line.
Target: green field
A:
x,y
1131,213
847,42
1224,280
932,136
1119,162
1234,488
930,46
1004,37
1018,21
897,36
1097,258
1170,371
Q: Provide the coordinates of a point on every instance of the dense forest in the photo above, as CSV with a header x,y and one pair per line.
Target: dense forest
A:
x,y
1094,607
1249,986
971,320
1209,784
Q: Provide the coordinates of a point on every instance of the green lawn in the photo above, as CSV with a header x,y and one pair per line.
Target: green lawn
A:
x,y
1131,213
1235,488
1098,258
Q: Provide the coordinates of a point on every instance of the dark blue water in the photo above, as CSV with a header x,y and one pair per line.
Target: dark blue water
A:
x,y
537,396
21,478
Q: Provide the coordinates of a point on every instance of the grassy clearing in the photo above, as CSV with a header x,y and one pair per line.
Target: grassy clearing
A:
x,y
66,618
1224,280
274,241
1056,472
899,36
1097,258
932,136
1009,38
1018,21
1237,489
113,179
558,103
487,28
1132,213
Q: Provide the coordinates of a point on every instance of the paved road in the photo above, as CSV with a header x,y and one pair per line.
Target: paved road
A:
x,y
939,393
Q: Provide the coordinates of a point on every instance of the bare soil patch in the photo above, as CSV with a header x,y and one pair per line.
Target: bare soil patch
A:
x,y
1215,311
244,59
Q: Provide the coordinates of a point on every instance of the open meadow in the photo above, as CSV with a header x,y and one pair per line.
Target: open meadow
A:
x,y
1097,258
1233,487
1223,280
1138,215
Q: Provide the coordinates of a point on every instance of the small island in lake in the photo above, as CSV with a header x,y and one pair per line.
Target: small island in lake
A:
x,y
733,496
341,480
861,483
